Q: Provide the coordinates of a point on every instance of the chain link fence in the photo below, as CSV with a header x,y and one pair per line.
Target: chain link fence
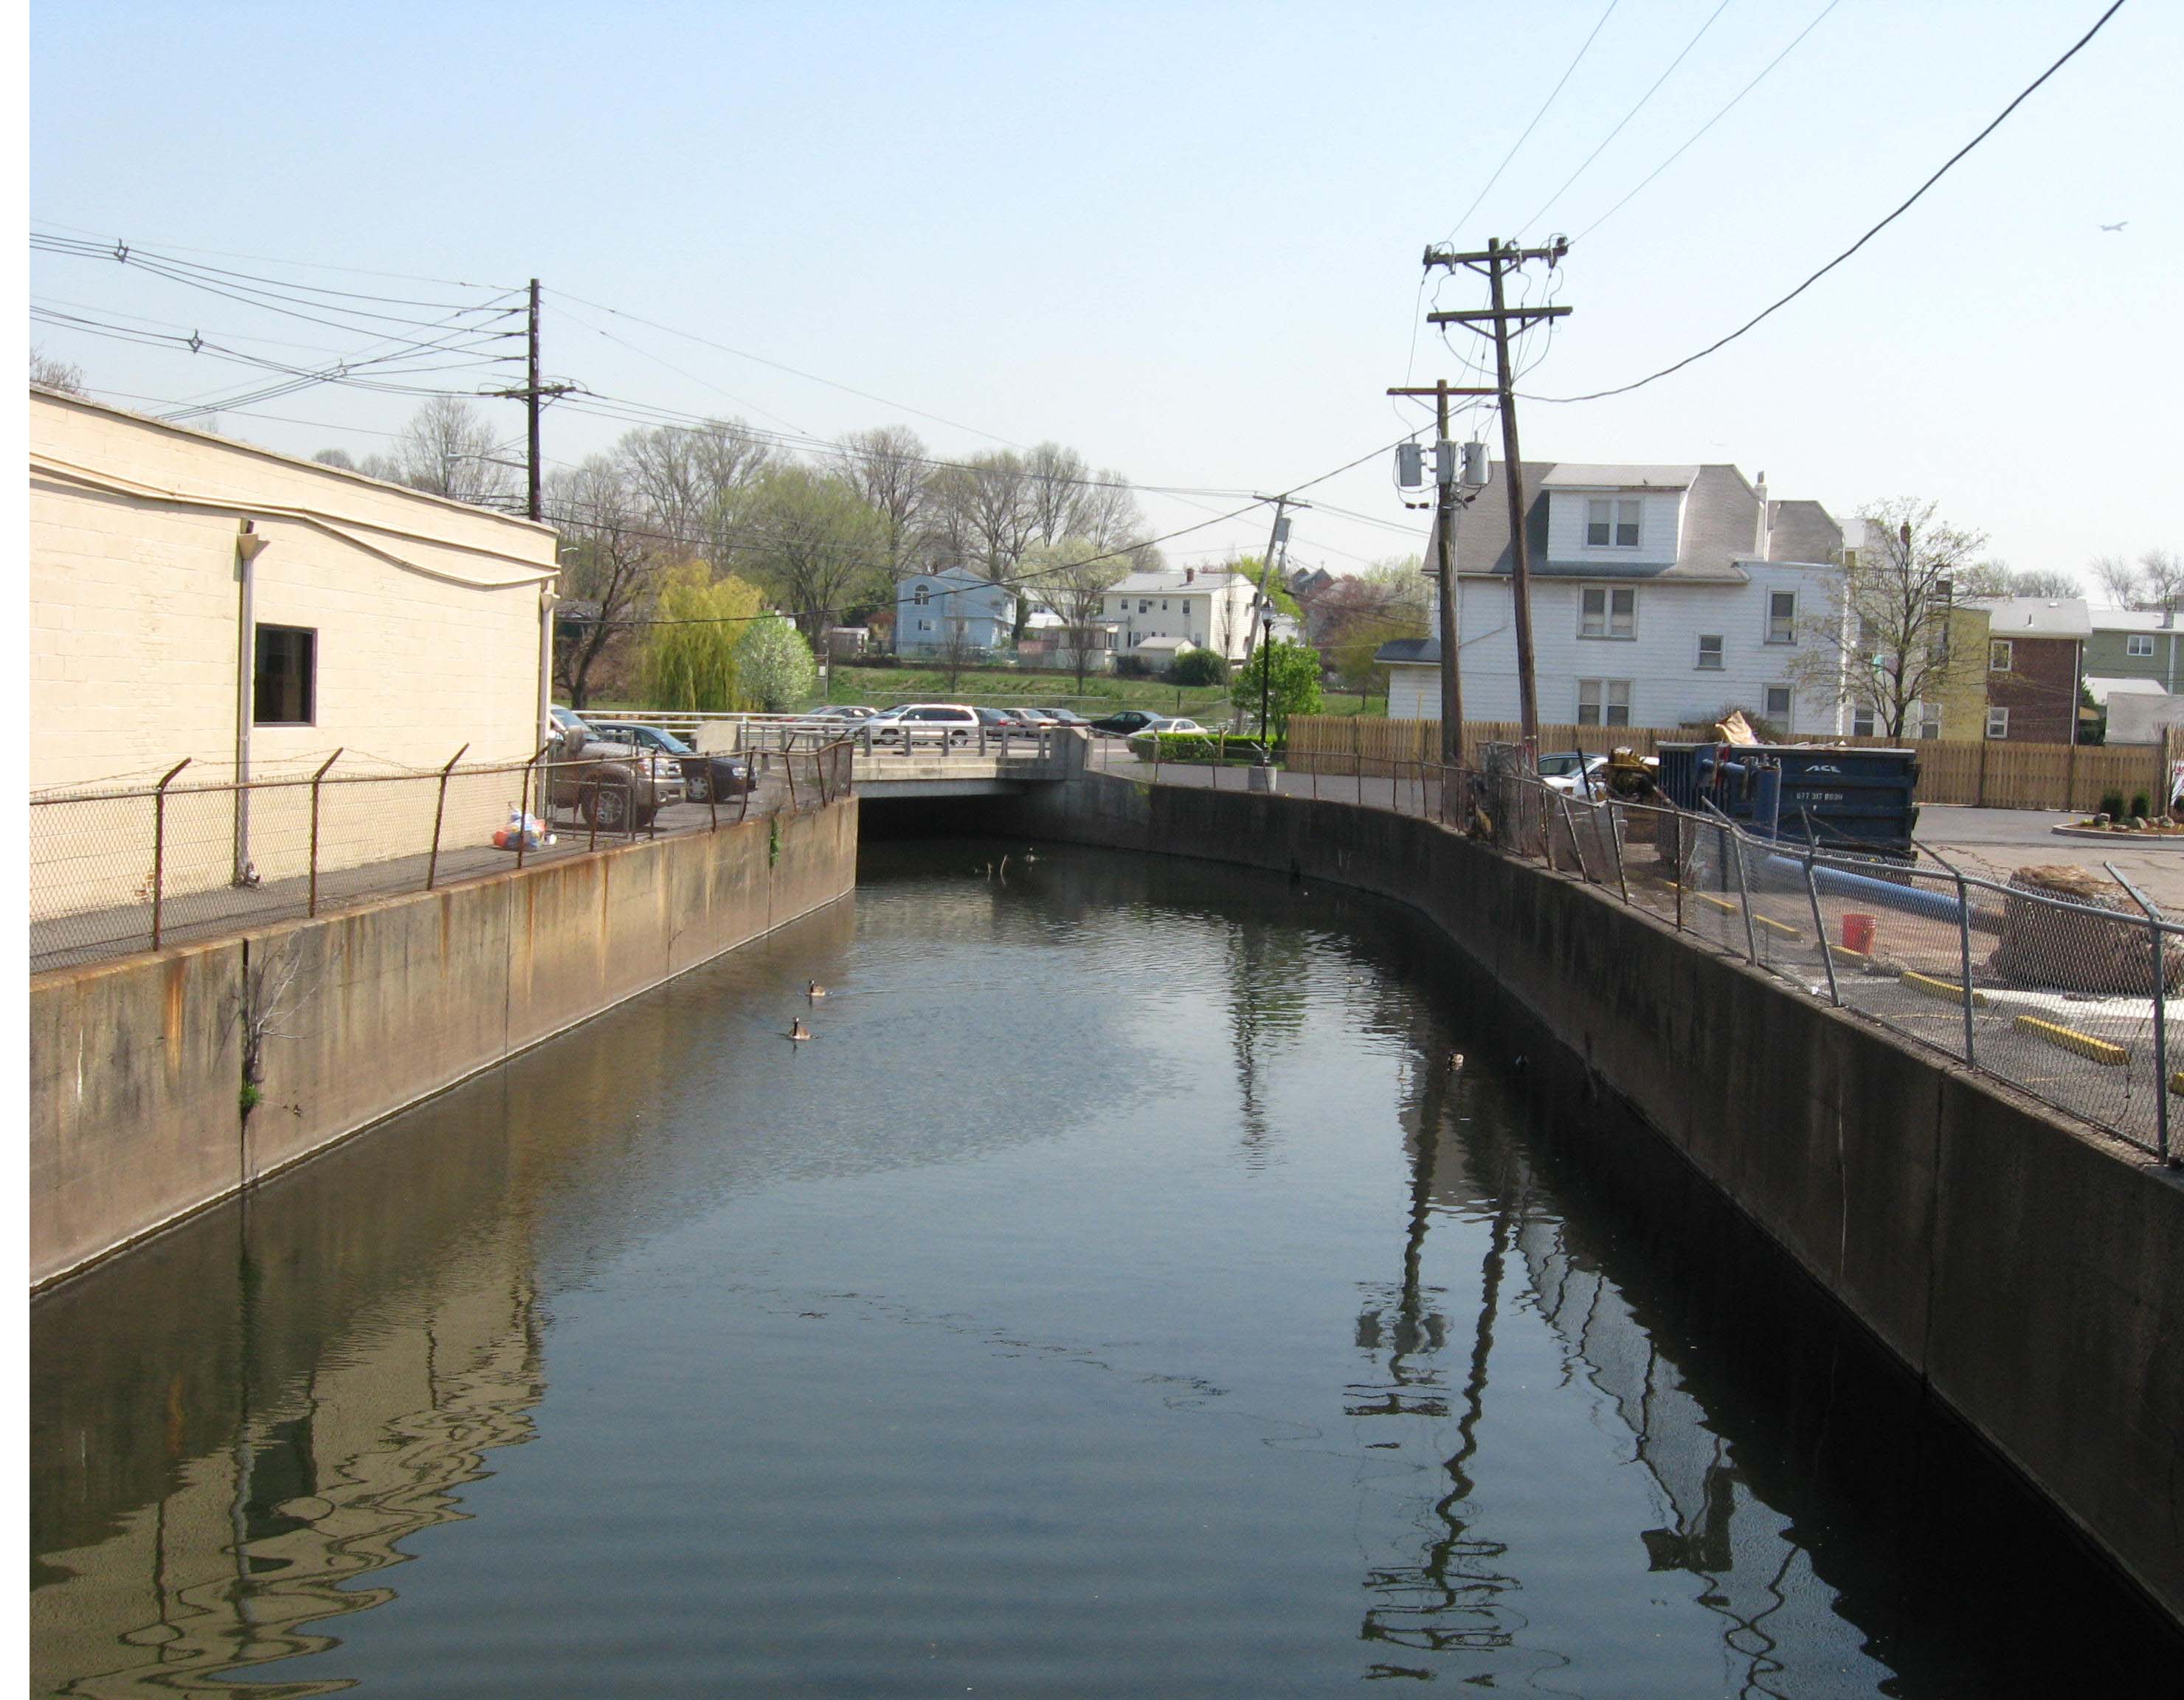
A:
x,y
114,871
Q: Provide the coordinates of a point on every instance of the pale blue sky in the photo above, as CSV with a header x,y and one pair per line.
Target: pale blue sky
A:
x,y
1183,239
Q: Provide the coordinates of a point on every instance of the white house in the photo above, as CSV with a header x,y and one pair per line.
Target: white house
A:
x,y
1181,608
954,604
1661,595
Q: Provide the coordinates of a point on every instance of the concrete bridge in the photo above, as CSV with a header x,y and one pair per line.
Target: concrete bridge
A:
x,y
915,763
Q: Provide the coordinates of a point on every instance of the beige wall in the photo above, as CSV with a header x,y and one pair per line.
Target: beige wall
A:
x,y
428,612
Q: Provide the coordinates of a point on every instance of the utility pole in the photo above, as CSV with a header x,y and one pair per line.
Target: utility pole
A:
x,y
533,395
1276,537
1499,259
1445,509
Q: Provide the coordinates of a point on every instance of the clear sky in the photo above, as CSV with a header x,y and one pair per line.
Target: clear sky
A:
x,y
1183,239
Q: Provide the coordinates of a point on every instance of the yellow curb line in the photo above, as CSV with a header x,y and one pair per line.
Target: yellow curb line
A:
x,y
1780,929
2084,1044
2176,1081
1846,954
1946,989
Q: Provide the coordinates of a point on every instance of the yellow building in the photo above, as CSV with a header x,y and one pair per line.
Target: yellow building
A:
x,y
1961,698
192,597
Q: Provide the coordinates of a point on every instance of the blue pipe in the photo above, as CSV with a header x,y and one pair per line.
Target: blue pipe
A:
x,y
1833,880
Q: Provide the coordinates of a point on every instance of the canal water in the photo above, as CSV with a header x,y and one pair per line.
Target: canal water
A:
x,y
1125,1291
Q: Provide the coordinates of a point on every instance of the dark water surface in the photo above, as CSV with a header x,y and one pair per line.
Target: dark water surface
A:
x,y
1121,1295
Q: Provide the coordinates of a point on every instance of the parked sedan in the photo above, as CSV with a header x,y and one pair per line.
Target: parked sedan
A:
x,y
925,722
1124,721
1574,773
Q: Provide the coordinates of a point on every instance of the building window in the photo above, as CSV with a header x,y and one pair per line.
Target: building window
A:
x,y
2001,655
1778,706
1607,613
2139,643
1145,605
1861,723
922,597
1997,723
1710,655
1781,616
1603,702
284,684
1930,720
925,625
1611,525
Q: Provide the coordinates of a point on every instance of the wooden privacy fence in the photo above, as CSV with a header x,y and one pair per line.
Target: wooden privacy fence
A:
x,y
1990,773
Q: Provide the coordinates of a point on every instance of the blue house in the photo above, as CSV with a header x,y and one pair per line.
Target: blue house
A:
x,y
952,606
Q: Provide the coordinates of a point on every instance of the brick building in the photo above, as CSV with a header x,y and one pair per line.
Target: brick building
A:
x,y
2035,662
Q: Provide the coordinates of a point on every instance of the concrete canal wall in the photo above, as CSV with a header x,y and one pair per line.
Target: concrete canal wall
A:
x,y
2029,1271
136,1064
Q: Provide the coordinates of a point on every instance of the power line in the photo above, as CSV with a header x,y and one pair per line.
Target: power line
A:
x,y
302,264
1625,119
1708,124
1722,342
1583,48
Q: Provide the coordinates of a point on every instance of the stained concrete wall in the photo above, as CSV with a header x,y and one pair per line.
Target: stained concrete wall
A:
x,y
2029,1270
135,1066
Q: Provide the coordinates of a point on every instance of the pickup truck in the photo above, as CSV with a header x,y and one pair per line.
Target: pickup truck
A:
x,y
616,785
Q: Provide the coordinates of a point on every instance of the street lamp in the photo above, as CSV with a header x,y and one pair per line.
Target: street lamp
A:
x,y
1266,671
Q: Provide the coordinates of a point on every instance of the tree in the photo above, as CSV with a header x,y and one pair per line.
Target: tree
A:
x,y
1994,579
1285,676
1071,578
816,545
777,668
55,373
1882,643
2118,579
448,450
692,480
888,467
2162,572
611,556
693,649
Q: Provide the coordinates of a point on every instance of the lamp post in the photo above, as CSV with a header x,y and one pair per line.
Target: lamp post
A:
x,y
1265,669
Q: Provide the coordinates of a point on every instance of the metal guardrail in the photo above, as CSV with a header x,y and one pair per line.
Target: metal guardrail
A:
x,y
115,871
2066,997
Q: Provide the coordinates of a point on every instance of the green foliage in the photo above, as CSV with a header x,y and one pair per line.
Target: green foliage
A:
x,y
774,666
1196,668
691,658
2112,804
251,1097
1197,746
2141,808
1286,676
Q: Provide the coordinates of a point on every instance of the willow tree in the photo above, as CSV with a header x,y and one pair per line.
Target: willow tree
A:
x,y
693,645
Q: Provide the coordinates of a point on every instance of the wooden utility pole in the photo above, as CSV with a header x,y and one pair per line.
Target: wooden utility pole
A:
x,y
1450,624
1275,535
1499,258
533,395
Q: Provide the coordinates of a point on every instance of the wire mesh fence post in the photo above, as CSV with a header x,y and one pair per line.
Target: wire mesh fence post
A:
x,y
1732,851
159,847
1963,945
523,805
439,815
2160,1021
712,797
1615,848
1820,929
1577,853
312,906
788,768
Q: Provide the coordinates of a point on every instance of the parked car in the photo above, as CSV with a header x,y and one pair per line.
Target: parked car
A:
x,y
613,782
1574,773
1007,720
1144,741
1124,721
703,777
925,722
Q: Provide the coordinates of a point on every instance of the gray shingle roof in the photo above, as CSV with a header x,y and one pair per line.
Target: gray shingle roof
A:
x,y
1424,652
1721,524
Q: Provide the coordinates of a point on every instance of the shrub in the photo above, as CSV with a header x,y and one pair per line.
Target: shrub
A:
x,y
1132,667
2112,804
2140,807
1197,667
1199,746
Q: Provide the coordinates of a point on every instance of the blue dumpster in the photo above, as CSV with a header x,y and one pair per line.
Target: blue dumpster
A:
x,y
1855,799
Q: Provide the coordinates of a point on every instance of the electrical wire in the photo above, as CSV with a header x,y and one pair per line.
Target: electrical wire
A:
x,y
1535,124
1724,342
302,264
1625,119
1710,123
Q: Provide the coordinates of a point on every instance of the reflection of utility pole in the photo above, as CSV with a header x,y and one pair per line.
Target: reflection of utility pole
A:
x,y
1500,258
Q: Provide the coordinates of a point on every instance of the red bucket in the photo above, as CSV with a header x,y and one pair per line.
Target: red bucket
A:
x,y
1858,933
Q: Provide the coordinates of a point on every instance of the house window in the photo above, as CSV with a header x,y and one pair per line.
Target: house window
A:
x,y
284,684
2001,658
1611,525
2139,643
1603,702
1145,605
1607,613
925,625
1930,720
922,597
1997,723
1861,723
1778,706
1710,655
1781,616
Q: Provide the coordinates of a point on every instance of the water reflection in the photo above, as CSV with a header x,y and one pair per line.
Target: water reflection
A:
x,y
1122,1284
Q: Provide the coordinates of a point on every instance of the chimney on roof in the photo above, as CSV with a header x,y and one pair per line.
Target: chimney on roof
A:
x,y
1189,573
1760,531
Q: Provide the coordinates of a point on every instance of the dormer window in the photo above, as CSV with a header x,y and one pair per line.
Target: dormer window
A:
x,y
1611,524
923,596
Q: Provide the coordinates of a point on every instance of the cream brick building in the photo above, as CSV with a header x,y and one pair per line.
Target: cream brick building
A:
x,y
194,597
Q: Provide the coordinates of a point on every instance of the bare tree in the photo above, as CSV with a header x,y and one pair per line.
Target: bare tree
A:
x,y
2119,578
1071,578
613,555
889,468
2162,571
55,373
1995,578
1883,642
955,650
691,479
448,450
